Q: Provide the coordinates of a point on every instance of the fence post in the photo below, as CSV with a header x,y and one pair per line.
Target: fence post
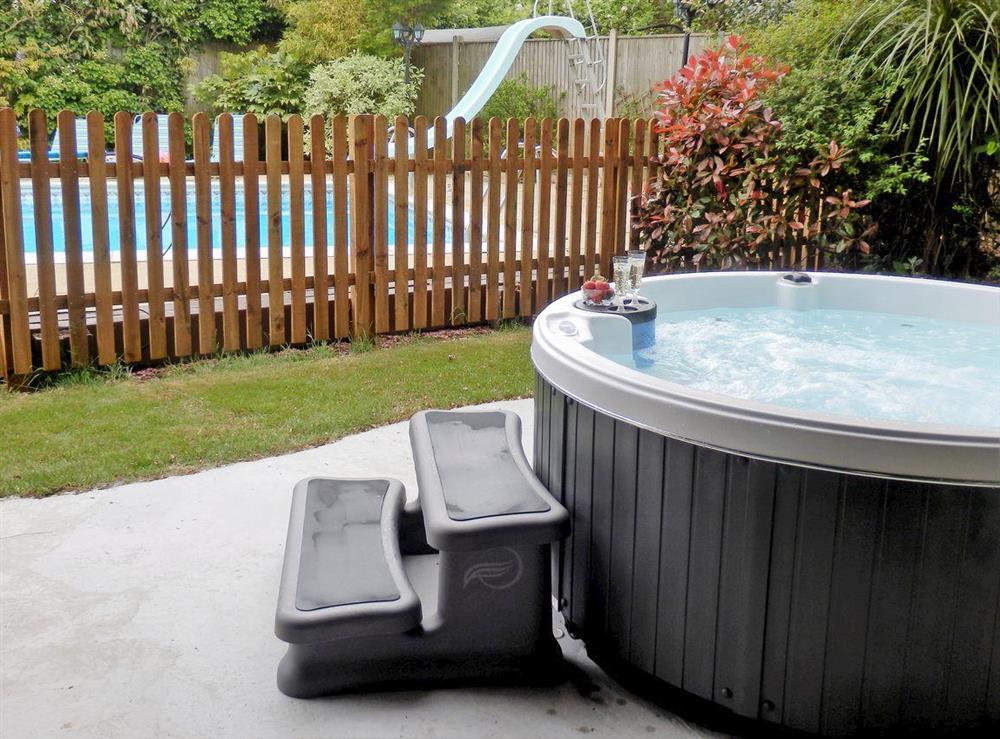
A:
x,y
79,336
201,138
295,137
44,257
97,176
609,201
177,179
362,223
621,185
6,360
456,50
438,225
612,81
321,262
380,211
275,252
401,237
251,246
16,287
459,307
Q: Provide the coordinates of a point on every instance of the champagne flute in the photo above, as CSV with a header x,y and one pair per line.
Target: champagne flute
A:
x,y
637,266
622,269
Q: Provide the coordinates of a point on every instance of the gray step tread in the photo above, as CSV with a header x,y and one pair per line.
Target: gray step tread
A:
x,y
343,573
476,487
479,476
342,560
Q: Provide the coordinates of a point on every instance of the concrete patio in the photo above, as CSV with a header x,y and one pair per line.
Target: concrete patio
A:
x,y
146,610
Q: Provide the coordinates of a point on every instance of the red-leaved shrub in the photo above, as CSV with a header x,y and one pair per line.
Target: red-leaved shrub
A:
x,y
722,196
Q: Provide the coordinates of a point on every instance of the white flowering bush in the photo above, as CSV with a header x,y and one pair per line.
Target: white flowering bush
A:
x,y
362,83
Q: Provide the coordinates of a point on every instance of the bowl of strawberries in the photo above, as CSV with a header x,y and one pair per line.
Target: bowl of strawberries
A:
x,y
597,289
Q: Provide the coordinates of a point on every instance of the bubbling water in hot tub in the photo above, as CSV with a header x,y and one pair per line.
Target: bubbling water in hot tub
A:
x,y
865,364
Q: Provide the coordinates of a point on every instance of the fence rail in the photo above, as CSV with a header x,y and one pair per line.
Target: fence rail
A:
x,y
139,254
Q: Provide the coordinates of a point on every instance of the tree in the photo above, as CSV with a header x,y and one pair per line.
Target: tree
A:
x,y
320,30
477,14
111,55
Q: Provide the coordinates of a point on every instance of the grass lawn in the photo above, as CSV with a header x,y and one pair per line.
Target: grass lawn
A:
x,y
92,431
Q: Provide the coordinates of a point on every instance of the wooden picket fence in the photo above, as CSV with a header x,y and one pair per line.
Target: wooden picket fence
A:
x,y
525,228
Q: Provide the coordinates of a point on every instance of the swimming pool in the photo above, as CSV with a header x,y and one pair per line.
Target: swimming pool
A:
x,y
86,221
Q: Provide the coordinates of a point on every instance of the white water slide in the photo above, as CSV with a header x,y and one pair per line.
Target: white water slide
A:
x,y
499,64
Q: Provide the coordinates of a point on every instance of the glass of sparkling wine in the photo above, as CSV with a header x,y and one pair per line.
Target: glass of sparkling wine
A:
x,y
637,266
622,274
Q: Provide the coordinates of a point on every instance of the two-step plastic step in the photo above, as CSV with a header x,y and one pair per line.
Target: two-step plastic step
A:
x,y
476,547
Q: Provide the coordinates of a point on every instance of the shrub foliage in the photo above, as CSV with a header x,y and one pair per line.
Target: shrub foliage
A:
x,y
517,98
944,57
723,193
911,87
259,82
110,55
361,83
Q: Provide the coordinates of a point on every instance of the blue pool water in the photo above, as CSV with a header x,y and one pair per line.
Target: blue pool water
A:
x,y
59,245
854,363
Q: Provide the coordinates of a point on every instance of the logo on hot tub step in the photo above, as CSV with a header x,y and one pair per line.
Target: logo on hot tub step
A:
x,y
501,569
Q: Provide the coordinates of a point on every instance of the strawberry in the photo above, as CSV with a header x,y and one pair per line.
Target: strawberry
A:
x,y
597,288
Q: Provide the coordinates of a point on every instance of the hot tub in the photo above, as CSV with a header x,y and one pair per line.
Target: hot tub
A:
x,y
788,502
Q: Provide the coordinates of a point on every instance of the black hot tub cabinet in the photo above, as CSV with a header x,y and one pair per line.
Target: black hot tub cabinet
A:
x,y
722,557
